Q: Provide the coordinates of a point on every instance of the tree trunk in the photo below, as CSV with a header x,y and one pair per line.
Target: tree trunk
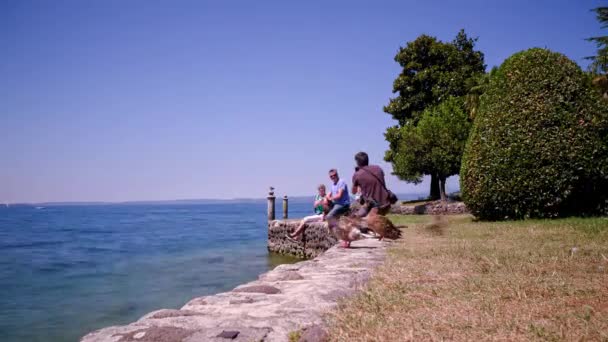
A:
x,y
435,193
444,197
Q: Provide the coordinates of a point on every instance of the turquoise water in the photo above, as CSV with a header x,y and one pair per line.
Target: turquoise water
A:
x,y
67,270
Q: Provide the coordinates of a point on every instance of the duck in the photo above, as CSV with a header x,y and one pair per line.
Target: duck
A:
x,y
382,225
345,229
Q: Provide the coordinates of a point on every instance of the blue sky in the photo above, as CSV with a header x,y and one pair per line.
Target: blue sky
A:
x,y
142,100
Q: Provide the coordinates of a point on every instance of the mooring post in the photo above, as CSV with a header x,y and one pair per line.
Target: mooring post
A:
x,y
285,207
271,204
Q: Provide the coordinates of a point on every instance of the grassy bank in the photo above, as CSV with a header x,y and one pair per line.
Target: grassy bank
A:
x,y
455,279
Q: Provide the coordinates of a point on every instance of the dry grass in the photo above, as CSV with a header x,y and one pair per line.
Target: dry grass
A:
x,y
455,279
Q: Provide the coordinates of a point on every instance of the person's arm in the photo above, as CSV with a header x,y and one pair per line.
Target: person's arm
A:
x,y
355,187
341,189
338,195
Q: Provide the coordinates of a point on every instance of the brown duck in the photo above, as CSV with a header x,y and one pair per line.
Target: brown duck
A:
x,y
382,226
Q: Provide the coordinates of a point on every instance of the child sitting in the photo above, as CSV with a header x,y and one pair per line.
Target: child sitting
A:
x,y
321,208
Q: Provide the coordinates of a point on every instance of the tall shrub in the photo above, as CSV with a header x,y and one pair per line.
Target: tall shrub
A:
x,y
538,145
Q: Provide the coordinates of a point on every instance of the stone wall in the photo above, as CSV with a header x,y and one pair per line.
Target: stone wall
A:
x,y
428,208
290,298
316,239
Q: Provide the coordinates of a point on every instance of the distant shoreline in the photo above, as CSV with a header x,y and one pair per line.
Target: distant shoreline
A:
x,y
409,196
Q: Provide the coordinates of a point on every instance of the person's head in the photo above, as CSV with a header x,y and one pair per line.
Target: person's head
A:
x,y
362,159
333,175
321,189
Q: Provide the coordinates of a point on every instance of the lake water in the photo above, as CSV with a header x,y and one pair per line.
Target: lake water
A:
x,y
68,270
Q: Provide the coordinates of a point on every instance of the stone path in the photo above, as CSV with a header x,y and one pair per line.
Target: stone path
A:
x,y
286,299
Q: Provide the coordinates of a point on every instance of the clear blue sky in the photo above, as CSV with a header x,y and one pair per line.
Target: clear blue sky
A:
x,y
136,100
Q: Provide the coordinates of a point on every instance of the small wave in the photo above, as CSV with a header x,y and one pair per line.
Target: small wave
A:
x,y
99,249
60,266
32,244
214,260
54,267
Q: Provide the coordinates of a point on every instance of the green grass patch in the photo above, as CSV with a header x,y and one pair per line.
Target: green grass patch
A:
x,y
410,219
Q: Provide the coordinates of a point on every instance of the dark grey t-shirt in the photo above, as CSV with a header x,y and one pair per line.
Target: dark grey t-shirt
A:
x,y
371,187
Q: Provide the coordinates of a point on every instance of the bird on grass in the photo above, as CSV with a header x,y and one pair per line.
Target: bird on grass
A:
x,y
382,225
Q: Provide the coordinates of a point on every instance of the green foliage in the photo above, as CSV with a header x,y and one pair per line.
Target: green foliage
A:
x,y
435,145
294,336
539,143
433,71
477,86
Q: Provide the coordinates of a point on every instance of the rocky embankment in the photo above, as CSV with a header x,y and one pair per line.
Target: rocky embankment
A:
x,y
430,208
288,299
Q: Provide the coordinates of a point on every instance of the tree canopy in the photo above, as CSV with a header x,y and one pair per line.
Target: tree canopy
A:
x,y
432,72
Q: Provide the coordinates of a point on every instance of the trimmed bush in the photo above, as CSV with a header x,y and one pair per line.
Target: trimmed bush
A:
x,y
538,146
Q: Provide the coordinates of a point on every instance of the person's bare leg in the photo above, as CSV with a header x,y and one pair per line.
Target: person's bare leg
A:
x,y
303,223
299,230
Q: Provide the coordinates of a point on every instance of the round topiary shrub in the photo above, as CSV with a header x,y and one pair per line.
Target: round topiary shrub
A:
x,y
538,146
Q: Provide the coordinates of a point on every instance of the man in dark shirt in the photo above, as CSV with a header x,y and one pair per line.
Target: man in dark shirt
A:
x,y
369,181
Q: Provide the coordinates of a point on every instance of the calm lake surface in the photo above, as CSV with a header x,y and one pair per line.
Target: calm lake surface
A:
x,y
68,270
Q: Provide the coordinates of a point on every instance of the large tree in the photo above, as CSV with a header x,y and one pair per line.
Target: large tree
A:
x,y
433,71
435,145
599,64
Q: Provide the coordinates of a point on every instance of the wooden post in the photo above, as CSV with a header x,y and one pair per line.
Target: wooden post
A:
x,y
271,204
285,207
